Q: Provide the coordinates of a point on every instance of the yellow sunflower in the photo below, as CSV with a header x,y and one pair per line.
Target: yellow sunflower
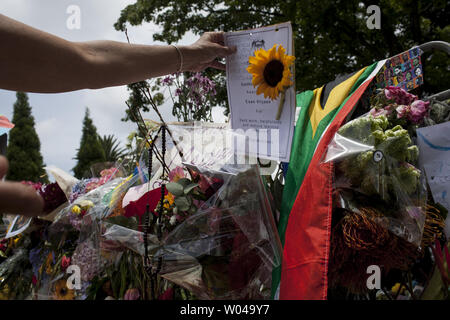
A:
x,y
62,292
271,71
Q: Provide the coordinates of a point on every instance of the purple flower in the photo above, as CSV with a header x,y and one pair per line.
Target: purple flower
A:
x,y
167,81
87,258
178,92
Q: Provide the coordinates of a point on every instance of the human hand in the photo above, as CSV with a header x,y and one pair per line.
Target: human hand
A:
x,y
18,198
205,51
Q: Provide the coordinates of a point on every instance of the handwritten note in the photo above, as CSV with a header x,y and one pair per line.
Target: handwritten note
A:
x,y
434,144
251,113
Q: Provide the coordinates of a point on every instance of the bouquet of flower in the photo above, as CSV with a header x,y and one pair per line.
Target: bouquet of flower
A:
x,y
376,162
219,237
382,215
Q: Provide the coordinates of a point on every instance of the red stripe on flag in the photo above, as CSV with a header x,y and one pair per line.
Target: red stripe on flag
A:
x,y
307,246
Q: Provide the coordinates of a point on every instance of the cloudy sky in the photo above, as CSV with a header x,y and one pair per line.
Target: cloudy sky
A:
x,y
59,116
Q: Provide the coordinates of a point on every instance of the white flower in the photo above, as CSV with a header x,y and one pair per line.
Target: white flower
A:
x,y
173,220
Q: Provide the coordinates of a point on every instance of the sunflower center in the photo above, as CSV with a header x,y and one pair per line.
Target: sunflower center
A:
x,y
273,72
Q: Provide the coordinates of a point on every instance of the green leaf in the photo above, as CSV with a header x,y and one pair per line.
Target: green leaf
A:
x,y
175,188
190,187
184,182
182,203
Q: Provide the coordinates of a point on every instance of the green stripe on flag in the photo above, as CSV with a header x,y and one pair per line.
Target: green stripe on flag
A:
x,y
303,148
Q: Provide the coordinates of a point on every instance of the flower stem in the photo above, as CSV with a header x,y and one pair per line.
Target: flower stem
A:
x,y
281,105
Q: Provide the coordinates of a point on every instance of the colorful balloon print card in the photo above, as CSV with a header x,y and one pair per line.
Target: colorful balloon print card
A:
x,y
261,90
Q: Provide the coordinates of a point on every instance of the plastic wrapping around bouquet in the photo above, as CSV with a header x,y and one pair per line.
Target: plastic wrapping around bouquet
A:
x,y
224,247
375,167
226,250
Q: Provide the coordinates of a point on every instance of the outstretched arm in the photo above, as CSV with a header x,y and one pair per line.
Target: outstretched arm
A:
x,y
35,61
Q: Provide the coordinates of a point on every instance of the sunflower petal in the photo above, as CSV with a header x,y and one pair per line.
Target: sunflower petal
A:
x,y
281,52
261,88
257,79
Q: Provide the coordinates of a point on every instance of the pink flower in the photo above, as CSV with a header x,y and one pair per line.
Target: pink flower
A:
x,y
386,111
33,280
65,262
108,172
415,112
402,111
132,294
399,95
419,110
176,174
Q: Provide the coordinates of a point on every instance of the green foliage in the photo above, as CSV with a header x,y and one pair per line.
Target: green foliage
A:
x,y
331,37
184,190
90,151
23,152
111,148
394,170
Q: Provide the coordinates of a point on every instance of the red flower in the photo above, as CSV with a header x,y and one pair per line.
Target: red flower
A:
x,y
65,262
167,295
34,280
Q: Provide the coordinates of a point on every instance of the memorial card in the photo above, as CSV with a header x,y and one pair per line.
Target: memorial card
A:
x,y
261,90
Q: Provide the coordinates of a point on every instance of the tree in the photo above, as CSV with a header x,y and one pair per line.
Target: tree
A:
x,y
90,151
331,37
23,152
111,148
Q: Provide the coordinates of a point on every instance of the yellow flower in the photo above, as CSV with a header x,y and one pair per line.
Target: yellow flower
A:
x,y
86,204
270,70
76,209
168,200
16,240
62,292
396,288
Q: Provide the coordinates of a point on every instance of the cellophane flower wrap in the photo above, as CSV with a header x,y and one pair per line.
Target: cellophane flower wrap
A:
x,y
376,164
218,237
221,242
